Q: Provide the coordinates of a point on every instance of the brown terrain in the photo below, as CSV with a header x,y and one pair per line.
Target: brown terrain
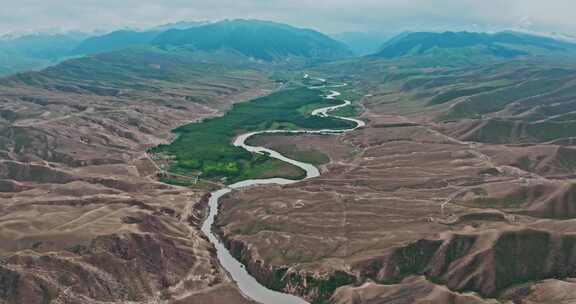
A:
x,y
459,190
83,218
432,202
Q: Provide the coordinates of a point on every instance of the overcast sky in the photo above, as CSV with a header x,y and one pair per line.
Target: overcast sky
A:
x,y
331,16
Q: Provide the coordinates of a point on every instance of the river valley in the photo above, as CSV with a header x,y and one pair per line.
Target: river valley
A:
x,y
246,283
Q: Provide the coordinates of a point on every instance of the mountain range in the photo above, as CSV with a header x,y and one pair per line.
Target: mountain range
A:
x,y
451,45
263,40
363,43
270,41
35,51
260,40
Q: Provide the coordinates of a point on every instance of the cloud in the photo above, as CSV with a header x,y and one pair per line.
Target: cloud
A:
x,y
326,15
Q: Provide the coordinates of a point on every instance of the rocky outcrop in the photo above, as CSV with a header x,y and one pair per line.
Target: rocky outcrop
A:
x,y
486,263
199,211
401,262
411,290
315,287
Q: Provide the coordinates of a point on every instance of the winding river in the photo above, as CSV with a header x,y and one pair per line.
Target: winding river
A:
x,y
248,284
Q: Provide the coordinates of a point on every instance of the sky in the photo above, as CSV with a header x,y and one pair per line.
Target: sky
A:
x,y
330,16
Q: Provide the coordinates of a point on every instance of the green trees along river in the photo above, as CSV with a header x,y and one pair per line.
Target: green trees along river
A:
x,y
207,148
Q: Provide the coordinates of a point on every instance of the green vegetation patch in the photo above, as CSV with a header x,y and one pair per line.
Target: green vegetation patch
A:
x,y
353,110
206,147
321,287
307,155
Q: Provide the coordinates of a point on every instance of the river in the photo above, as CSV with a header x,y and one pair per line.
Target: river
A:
x,y
248,284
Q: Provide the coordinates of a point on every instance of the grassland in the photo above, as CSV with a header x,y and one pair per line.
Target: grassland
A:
x,y
206,147
310,156
350,111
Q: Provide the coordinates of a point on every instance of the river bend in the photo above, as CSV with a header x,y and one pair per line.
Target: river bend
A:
x,y
248,284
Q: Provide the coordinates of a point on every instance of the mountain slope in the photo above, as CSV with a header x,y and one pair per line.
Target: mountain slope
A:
x,y
44,46
498,45
114,41
362,43
121,39
258,39
35,51
77,132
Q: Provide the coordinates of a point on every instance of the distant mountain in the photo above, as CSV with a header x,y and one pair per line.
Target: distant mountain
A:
x,y
362,43
44,46
262,40
180,25
498,45
35,51
122,39
226,41
130,68
114,41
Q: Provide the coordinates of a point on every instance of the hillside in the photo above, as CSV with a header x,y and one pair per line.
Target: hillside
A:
x,y
262,40
79,196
